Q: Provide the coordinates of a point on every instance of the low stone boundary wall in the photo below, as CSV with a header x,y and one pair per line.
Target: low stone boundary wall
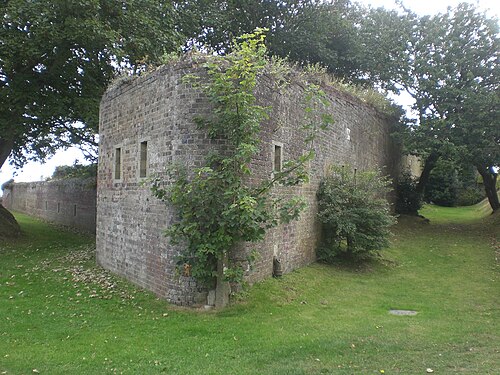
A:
x,y
68,202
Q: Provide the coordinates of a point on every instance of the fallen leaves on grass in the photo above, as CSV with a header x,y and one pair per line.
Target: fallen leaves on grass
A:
x,y
89,280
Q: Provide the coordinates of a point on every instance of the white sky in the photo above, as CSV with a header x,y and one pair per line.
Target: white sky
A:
x,y
36,171
491,7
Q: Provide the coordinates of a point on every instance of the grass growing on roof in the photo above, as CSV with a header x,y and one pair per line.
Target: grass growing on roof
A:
x,y
60,314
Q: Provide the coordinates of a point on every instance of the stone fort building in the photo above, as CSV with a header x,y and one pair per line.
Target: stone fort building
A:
x,y
147,123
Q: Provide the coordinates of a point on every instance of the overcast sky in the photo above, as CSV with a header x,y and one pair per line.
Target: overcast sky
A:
x,y
492,7
37,171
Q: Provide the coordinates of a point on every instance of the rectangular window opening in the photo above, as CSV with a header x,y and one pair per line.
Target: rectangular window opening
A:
x,y
58,207
278,155
74,210
143,165
118,163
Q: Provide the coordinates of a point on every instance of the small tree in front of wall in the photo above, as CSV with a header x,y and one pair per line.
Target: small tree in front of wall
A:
x,y
217,209
354,213
408,200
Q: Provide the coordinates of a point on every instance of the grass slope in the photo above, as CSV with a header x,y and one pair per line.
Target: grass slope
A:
x,y
59,314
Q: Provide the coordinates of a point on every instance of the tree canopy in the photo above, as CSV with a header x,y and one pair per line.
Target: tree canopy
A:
x,y
304,31
449,64
56,59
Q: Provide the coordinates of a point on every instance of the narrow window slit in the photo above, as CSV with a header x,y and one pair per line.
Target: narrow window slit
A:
x,y
143,166
278,155
118,163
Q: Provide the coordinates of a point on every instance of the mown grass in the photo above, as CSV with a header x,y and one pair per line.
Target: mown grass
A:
x,y
60,314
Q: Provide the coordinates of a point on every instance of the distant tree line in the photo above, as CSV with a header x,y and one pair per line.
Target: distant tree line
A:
x,y
77,170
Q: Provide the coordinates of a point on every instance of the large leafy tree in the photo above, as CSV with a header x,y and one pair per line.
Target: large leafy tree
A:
x,y
323,33
305,31
56,59
449,64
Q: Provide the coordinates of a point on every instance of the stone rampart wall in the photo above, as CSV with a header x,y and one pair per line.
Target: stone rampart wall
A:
x,y
69,202
360,137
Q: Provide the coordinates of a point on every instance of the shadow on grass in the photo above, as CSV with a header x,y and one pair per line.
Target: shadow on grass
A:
x,y
360,266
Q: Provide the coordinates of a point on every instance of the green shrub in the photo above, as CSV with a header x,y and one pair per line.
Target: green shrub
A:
x,y
442,187
452,184
408,201
354,214
469,196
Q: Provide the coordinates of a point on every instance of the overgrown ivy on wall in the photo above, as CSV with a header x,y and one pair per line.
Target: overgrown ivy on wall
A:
x,y
217,209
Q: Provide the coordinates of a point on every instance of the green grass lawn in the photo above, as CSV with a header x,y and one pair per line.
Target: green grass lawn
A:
x,y
60,314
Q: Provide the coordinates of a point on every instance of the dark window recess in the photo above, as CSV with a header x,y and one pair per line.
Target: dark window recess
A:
x,y
278,150
74,210
58,207
143,165
118,163
46,205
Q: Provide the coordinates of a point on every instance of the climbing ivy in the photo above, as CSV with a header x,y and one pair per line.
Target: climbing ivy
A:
x,y
216,205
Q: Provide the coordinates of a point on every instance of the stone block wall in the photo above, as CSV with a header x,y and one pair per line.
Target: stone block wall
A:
x,y
158,109
69,202
360,137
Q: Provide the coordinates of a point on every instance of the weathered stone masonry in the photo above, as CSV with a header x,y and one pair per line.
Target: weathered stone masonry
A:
x,y
69,202
153,116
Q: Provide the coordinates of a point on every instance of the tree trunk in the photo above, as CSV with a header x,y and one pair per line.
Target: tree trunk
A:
x,y
9,228
429,165
6,146
222,289
489,182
